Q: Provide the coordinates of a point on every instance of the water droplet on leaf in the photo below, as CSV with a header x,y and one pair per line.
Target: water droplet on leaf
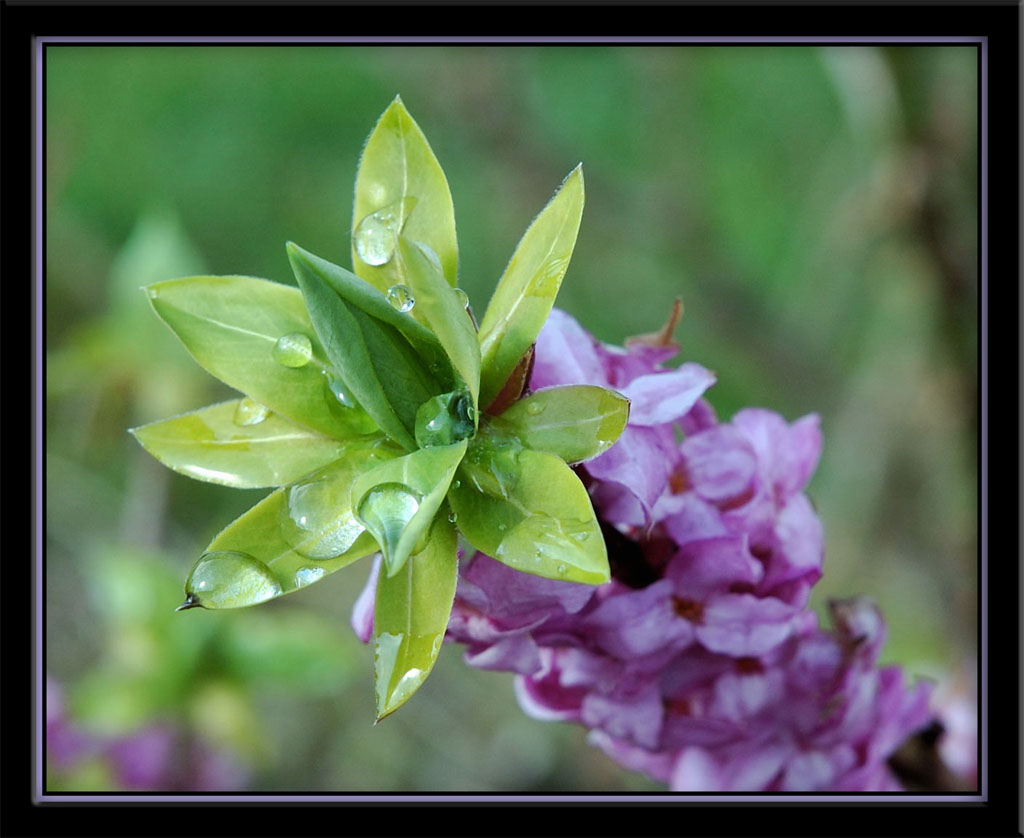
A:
x,y
250,412
401,298
534,408
293,350
462,297
445,420
316,519
386,510
229,579
340,391
453,518
308,575
377,234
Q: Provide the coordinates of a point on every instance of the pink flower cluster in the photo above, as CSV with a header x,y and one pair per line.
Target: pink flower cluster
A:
x,y
699,664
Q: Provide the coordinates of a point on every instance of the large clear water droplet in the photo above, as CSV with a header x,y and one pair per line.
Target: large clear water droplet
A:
x,y
250,412
316,519
445,419
293,350
401,298
229,579
377,234
462,297
386,510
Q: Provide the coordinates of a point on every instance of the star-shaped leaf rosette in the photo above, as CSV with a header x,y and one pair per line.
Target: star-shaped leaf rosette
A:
x,y
386,420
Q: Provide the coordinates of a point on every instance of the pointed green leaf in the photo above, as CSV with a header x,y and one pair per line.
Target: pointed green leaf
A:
x,y
527,289
398,164
238,443
360,294
232,325
398,499
529,510
575,422
292,538
443,310
411,615
378,365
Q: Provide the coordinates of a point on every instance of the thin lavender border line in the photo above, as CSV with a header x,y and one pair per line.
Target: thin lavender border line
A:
x,y
37,127
983,512
40,796
823,40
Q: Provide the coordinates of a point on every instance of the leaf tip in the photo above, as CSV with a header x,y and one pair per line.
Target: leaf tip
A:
x,y
191,601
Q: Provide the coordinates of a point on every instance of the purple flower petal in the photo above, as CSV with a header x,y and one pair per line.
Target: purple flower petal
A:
x,y
787,453
624,365
362,611
712,565
638,623
639,462
656,764
815,770
720,465
700,418
636,718
516,653
683,731
696,769
666,396
510,595
742,625
688,518
546,700
797,546
566,354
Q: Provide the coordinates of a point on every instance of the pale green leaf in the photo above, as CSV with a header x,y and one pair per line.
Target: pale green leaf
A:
x,y
529,510
397,500
398,164
442,309
574,422
411,615
527,290
238,443
292,538
231,326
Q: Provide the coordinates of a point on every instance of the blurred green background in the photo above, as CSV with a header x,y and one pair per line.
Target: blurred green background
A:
x,y
815,207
